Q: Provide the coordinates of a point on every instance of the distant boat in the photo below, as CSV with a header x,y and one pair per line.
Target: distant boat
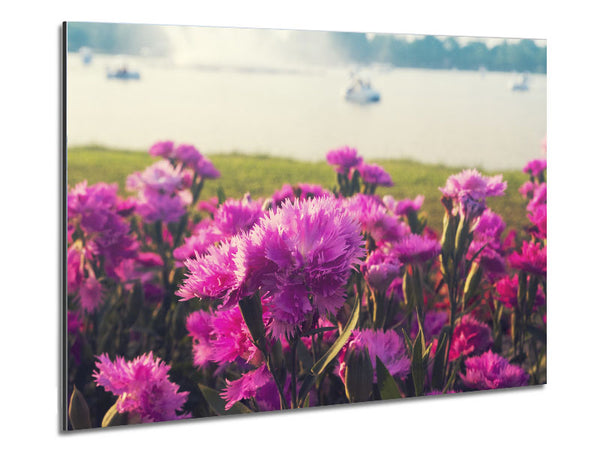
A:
x,y
360,91
123,74
521,83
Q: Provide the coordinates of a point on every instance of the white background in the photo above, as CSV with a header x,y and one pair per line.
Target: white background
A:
x,y
563,413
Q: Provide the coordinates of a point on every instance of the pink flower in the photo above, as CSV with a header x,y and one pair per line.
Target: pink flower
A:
x,y
199,326
343,159
492,371
403,207
246,386
235,216
380,269
535,167
374,219
469,190
143,387
470,337
163,148
374,174
532,259
385,345
416,249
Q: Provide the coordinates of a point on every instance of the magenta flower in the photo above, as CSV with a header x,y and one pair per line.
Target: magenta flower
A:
x,y
492,371
469,190
403,207
160,178
539,197
199,326
300,255
236,216
303,191
374,219
507,289
198,243
187,154
212,276
532,259
205,169
90,294
487,243
432,324
535,167
385,345
470,337
143,387
344,159
163,149
246,386
539,220
416,249
374,174
527,189
380,269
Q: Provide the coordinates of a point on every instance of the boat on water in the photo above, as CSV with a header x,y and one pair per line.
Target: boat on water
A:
x,y
521,83
123,74
360,91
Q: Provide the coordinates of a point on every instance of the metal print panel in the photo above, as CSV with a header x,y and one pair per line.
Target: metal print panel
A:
x,y
259,220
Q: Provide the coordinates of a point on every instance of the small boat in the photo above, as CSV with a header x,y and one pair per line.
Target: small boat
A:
x,y
123,74
521,83
360,91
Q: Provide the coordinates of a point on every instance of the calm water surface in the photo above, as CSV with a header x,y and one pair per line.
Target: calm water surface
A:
x,y
452,117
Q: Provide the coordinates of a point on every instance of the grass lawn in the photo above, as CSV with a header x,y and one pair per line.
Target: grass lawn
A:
x,y
262,175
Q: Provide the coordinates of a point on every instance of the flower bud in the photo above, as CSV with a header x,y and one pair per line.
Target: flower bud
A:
x,y
79,413
113,417
359,375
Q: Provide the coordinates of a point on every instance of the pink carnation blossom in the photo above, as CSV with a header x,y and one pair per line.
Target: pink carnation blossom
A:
x,y
403,207
301,191
162,148
385,345
539,219
301,255
90,294
236,216
343,159
492,371
539,197
206,170
246,386
374,174
416,249
380,269
143,387
374,219
199,326
187,154
507,289
161,178
470,337
531,259
535,167
198,243
469,190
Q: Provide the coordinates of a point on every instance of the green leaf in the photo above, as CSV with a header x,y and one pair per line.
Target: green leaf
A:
x,y
439,360
113,417
339,343
79,413
388,389
217,403
418,366
306,401
221,195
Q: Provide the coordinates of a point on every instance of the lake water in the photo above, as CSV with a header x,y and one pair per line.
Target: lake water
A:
x,y
452,117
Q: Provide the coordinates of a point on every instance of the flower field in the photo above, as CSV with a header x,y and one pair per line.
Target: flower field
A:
x,y
184,305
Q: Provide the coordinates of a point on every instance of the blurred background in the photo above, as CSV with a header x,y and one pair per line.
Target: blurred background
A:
x,y
457,101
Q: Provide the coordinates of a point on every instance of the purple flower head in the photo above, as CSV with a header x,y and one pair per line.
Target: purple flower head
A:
x,y
539,220
213,275
246,386
487,242
199,326
416,249
236,216
492,371
198,243
206,169
507,289
432,324
303,191
385,345
159,178
143,387
375,175
380,269
167,208
469,190
527,189
73,323
535,167
532,259
470,337
539,197
374,219
301,255
90,294
344,159
403,207
162,148
187,154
